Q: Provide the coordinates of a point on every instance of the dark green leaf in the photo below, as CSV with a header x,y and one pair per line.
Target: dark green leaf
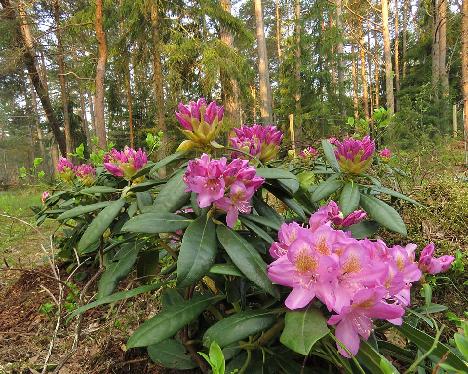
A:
x,y
365,229
262,221
303,329
172,196
330,154
98,189
264,210
326,188
383,214
349,198
100,224
155,223
145,186
275,173
257,230
391,192
165,324
197,251
226,269
374,361
82,209
144,199
237,327
171,354
148,264
246,258
166,161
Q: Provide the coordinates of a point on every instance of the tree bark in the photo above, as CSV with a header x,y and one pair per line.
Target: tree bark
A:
x,y
230,86
362,54
339,51
93,117
84,119
278,30
263,72
63,84
388,59
404,36
464,58
157,76
355,82
435,47
40,137
24,37
377,70
397,52
128,92
297,69
443,74
100,78
369,71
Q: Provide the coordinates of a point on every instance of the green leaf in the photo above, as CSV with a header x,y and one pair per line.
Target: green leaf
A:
x,y
262,221
303,329
257,230
226,269
116,271
349,198
264,210
393,193
237,327
144,186
462,344
116,297
330,154
144,199
82,209
166,161
99,224
197,251
97,189
172,196
171,354
365,229
326,188
155,223
424,342
165,324
275,173
383,214
246,258
374,361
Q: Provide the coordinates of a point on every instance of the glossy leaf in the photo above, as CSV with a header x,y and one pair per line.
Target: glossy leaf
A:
x,y
349,198
264,210
238,327
262,221
144,199
303,329
155,223
172,196
100,224
82,209
275,173
226,269
330,154
396,194
166,161
197,251
246,258
257,230
165,324
383,214
171,354
97,189
365,229
326,188
374,361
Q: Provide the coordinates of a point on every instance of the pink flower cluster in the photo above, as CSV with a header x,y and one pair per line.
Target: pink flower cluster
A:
x,y
67,171
228,186
385,153
262,142
308,153
358,280
354,156
45,195
125,163
432,265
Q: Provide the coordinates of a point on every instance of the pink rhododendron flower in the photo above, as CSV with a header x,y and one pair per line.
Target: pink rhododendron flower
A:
x,y
65,169
356,320
359,280
354,156
385,153
228,187
125,163
308,153
200,121
432,265
262,142
86,174
45,195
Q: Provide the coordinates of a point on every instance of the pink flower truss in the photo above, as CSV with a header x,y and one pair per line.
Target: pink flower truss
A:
x,y
385,153
262,142
431,265
358,280
64,165
125,163
45,195
308,153
229,187
354,156
193,111
86,173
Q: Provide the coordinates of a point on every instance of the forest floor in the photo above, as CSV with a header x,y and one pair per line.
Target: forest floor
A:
x,y
28,313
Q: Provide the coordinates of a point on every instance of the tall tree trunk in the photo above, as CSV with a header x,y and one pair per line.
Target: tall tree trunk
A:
x,y
443,48
230,86
362,54
369,71
63,84
355,82
435,47
24,37
404,35
278,30
84,119
263,72
91,112
464,58
39,135
100,77
157,76
377,70
297,69
388,59
397,51
339,51
128,93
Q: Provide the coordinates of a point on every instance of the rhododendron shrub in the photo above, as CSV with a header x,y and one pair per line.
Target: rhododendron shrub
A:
x,y
281,276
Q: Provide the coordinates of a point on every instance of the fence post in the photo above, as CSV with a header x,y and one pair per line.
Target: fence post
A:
x,y
291,130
